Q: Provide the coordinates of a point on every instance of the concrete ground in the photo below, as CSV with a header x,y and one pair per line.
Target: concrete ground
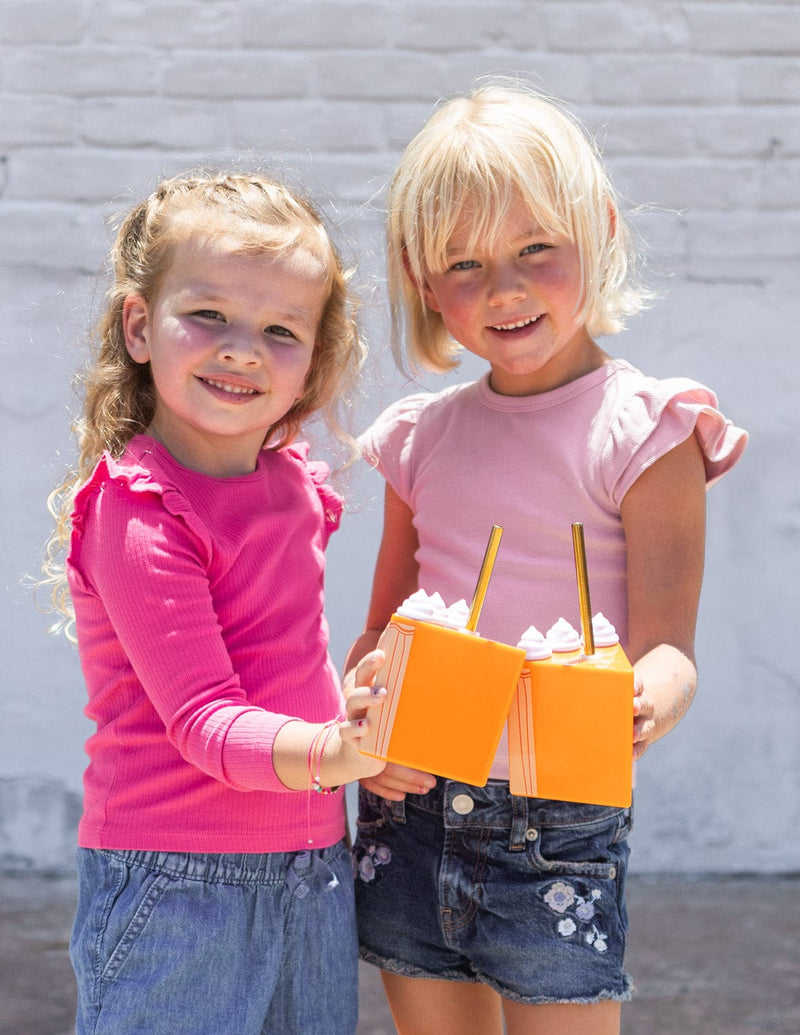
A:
x,y
710,956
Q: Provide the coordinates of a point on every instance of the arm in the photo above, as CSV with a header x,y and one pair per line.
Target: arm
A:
x,y
340,762
150,617
663,516
396,573
396,577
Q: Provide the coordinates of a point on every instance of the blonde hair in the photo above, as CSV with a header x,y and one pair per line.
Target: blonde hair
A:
x,y
500,142
262,217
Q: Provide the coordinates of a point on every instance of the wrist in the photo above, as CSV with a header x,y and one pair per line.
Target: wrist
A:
x,y
316,752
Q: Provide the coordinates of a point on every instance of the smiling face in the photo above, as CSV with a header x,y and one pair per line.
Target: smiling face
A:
x,y
229,338
515,302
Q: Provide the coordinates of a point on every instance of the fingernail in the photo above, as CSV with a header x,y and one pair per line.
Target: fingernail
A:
x,y
362,723
376,690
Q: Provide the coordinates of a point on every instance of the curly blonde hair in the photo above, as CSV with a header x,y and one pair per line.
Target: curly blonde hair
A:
x,y
264,217
501,141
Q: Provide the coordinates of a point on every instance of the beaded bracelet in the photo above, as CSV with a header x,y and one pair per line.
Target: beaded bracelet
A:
x,y
315,756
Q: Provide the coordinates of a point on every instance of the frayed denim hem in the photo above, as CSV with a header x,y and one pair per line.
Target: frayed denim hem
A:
x,y
393,966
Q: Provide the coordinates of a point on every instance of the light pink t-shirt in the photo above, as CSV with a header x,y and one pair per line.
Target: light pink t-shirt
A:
x,y
466,459
199,613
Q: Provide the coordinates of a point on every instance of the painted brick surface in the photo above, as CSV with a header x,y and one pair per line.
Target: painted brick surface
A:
x,y
697,106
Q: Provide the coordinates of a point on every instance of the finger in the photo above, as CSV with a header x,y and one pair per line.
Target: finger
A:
x,y
375,785
415,776
408,781
368,667
352,730
364,698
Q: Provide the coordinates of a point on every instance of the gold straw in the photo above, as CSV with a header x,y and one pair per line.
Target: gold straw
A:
x,y
483,578
583,587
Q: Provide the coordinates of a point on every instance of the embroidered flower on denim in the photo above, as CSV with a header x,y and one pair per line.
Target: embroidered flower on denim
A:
x,y
597,940
560,897
577,910
374,855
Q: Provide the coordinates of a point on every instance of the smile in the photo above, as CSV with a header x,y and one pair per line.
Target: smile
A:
x,y
516,326
231,389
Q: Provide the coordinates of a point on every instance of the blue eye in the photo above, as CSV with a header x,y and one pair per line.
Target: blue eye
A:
x,y
280,332
465,264
533,249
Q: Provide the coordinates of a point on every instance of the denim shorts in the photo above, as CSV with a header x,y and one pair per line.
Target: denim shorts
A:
x,y
476,884
193,944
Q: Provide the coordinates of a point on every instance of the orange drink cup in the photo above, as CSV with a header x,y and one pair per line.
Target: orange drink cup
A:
x,y
570,728
449,692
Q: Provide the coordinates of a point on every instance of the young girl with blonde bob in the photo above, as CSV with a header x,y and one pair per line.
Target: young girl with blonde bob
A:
x,y
215,887
506,239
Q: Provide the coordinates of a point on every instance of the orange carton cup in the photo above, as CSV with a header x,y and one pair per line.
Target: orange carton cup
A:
x,y
449,693
570,728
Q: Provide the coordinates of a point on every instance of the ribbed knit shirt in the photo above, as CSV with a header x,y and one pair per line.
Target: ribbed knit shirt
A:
x,y
201,632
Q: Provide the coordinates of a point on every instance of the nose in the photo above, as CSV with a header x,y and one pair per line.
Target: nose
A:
x,y
241,345
506,285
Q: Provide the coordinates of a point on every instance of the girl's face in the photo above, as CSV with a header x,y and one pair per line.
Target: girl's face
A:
x,y
229,338
515,304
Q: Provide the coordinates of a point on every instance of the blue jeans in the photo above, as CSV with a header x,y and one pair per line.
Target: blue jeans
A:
x,y
476,884
166,943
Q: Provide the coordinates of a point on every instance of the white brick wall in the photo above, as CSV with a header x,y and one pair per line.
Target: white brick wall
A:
x,y
697,105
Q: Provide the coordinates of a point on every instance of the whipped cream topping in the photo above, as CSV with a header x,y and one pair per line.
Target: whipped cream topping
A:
x,y
433,609
562,637
420,606
534,644
605,635
457,614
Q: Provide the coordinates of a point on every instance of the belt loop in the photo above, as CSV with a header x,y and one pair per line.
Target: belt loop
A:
x,y
519,822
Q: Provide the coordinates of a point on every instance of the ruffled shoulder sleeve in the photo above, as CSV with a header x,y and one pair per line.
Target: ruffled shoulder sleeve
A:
x,y
387,444
138,479
319,472
126,486
651,417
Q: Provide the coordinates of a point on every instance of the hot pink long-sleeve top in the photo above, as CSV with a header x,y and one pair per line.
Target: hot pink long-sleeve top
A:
x,y
201,632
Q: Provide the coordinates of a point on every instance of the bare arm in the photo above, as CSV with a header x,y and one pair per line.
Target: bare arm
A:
x,y
396,577
663,515
396,572
340,761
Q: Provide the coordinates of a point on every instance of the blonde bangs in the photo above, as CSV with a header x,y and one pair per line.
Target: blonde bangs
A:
x,y
479,153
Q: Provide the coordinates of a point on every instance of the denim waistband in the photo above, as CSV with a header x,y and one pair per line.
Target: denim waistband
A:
x,y
463,806
233,867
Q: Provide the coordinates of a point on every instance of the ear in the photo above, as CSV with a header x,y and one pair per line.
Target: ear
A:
x,y
612,219
422,288
136,328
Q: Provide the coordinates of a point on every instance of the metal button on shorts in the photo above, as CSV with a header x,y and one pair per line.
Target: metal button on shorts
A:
x,y
463,804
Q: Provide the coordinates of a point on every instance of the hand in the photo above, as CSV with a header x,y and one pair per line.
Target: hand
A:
x,y
343,757
644,722
396,781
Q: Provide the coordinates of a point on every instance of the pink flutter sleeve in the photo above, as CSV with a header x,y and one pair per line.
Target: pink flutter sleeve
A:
x,y
387,444
659,417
